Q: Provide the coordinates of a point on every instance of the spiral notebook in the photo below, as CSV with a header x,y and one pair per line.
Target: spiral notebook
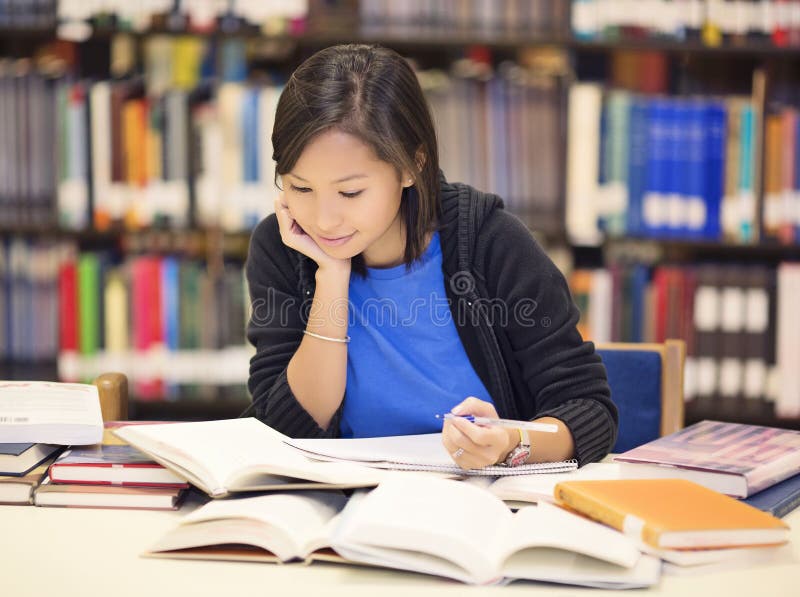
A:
x,y
411,453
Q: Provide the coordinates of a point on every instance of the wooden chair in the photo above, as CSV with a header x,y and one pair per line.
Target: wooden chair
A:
x,y
113,390
646,381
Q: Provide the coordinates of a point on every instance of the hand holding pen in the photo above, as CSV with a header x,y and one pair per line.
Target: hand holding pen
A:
x,y
476,437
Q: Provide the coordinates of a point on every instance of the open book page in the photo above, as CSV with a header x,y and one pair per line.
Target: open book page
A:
x,y
547,543
236,455
435,526
460,531
50,413
533,488
289,525
408,452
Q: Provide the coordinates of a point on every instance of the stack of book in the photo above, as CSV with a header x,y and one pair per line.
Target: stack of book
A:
x,y
40,419
22,466
111,474
760,465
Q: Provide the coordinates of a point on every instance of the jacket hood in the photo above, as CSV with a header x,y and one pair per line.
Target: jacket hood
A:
x,y
464,211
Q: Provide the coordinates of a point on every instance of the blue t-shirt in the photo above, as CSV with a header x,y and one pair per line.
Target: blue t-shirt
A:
x,y
405,361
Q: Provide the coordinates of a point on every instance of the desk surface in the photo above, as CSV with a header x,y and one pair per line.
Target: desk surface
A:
x,y
70,551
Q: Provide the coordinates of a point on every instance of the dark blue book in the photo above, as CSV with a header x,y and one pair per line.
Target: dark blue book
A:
x,y
779,499
18,459
694,178
655,199
716,117
637,164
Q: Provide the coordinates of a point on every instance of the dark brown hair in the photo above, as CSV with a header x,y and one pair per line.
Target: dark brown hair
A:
x,y
372,93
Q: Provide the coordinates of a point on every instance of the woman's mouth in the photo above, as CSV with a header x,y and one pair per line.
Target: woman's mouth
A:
x,y
335,241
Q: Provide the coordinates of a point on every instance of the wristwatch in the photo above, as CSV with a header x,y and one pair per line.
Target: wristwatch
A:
x,y
519,455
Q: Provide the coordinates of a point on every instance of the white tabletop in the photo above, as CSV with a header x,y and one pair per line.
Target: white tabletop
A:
x,y
71,551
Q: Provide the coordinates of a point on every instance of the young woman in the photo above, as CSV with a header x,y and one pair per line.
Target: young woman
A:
x,y
383,294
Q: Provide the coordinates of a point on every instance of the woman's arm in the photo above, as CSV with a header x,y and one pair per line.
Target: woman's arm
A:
x,y
317,373
276,330
565,378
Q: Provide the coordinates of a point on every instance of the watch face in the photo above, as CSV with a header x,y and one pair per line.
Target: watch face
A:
x,y
518,456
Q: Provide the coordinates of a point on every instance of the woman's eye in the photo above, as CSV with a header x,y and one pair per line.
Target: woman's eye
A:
x,y
301,189
352,195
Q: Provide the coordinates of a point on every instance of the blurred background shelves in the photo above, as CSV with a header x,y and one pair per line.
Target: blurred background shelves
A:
x,y
650,145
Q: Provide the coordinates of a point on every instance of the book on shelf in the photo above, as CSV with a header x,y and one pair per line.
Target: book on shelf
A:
x,y
111,462
19,489
18,459
733,458
423,525
662,167
107,496
50,412
672,513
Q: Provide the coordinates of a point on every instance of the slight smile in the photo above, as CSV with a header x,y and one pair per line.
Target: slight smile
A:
x,y
335,242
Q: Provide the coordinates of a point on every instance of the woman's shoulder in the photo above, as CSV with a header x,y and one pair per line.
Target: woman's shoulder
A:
x,y
504,242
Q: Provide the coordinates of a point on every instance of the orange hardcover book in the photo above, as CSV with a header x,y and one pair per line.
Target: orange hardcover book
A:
x,y
672,513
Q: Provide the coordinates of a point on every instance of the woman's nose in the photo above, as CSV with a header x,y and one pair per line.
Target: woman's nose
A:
x,y
328,216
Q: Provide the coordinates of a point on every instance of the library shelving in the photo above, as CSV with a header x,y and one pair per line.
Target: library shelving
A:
x,y
563,99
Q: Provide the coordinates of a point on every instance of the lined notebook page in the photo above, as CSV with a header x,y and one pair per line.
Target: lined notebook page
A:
x,y
410,452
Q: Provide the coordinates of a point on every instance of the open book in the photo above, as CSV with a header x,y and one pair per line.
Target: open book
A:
x,y
434,526
277,527
234,455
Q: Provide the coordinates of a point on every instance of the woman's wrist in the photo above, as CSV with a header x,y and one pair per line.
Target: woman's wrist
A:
x,y
335,270
511,443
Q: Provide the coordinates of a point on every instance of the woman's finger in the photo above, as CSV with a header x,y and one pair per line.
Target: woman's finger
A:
x,y
479,436
475,406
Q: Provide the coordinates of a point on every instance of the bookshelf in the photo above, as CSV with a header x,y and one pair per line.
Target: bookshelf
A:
x,y
483,47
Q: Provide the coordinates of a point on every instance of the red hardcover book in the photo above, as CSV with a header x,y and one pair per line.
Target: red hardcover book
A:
x,y
147,328
68,307
732,458
112,463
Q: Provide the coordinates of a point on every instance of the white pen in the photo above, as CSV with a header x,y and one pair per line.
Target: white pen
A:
x,y
529,425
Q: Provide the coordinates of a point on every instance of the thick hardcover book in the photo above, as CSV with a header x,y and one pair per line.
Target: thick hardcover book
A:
x,y
19,489
672,513
732,458
48,412
112,465
778,499
97,496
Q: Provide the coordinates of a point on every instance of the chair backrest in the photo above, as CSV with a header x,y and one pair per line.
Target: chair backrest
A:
x,y
646,381
113,390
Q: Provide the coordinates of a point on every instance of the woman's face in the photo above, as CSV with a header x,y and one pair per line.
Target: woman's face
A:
x,y
347,199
